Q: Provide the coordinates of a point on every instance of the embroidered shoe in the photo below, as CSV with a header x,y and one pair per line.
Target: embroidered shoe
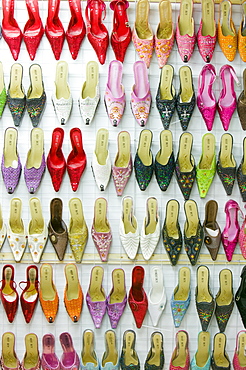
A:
x,y
137,297
36,96
185,32
16,98
227,36
206,36
224,299
226,165
193,231
164,160
95,297
241,173
157,296
143,162
181,296
231,230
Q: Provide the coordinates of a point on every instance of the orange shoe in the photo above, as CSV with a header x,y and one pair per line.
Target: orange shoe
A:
x,y
227,36
48,296
242,34
73,295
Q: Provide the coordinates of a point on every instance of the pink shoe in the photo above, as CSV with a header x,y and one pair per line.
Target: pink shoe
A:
x,y
227,101
115,98
205,96
140,96
185,36
182,344
239,353
230,233
242,238
206,36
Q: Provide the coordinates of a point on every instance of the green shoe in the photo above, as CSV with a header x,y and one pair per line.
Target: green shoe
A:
x,y
206,168
3,94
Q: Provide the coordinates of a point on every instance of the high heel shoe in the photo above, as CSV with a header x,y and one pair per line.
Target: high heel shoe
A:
x,y
241,37
96,31
96,297
137,297
36,97
117,298
193,231
226,165
49,359
16,97
180,358
185,32
29,295
56,163
181,296
224,299
48,295
54,29
57,228
76,29
33,30
206,36
121,34
220,359
241,102
8,292
9,360
10,29
227,36
73,295
230,233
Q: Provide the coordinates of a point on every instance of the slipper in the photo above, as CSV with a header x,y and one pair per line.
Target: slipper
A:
x,y
157,296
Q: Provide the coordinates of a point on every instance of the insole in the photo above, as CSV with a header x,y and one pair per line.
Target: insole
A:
x,y
88,354
77,217
241,349
165,28
191,218
226,158
96,291
185,18
208,24
225,296
172,213
137,283
15,221
128,218
203,294
10,141
72,282
34,157
101,149
207,99
180,360
184,157
31,293
111,354
62,89
141,23
219,351
156,347
36,225
15,88
156,292
232,230
208,148
89,87
130,356
225,8
186,84
211,210
166,83
124,144
183,287
100,219
151,216
8,351
243,30
36,82
31,358
46,283
115,79
9,293
244,158
166,143
1,78
228,98
56,216
144,152
141,86
203,348
119,292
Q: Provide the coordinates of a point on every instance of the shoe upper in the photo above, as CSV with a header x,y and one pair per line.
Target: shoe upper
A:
x,y
206,44
96,309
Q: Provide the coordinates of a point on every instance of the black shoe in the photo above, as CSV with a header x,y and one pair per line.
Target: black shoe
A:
x,y
240,297
156,352
219,358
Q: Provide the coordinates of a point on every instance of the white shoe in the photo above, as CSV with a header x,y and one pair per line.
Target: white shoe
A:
x,y
129,233
157,296
101,164
150,233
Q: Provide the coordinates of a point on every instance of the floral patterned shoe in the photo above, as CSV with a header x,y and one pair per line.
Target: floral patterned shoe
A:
x,y
186,100
180,358
3,94
185,33
36,97
95,297
101,164
241,37
226,164
16,97
224,299
73,295
110,358
239,353
206,36
241,173
156,351
193,231
115,98
206,167
227,36
140,95
143,162
180,300
202,357
164,160
212,232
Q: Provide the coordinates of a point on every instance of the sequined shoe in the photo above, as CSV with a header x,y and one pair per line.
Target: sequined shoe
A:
x,y
164,160
129,356
16,98
143,162
239,356
49,359
180,358
8,292
29,295
226,164
95,297
156,351
224,299
212,232
242,238
241,173
73,295
202,357
220,358
241,102
36,96
181,296
137,297
206,36
227,36
185,32
193,231
48,295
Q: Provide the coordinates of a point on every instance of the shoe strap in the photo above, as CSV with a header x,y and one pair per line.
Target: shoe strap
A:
x,y
88,6
13,288
201,79
233,73
25,282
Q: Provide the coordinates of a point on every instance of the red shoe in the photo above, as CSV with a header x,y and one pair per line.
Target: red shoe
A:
x,y
54,29
121,35
55,161
29,296
33,30
137,298
76,28
76,161
8,293
97,33
10,29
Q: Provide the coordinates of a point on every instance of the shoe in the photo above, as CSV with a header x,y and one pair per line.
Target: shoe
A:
x,y
155,357
101,164
88,355
90,96
9,360
227,101
185,168
3,229
54,29
164,160
100,230
166,97
114,97
205,303
150,233
96,31
227,36
37,230
181,296
117,298
157,296
31,359
224,299
76,29
35,162
57,228
241,103
29,295
61,97
212,232
33,30
36,97
110,358
122,167
242,238
206,101
129,356
241,295
206,167
137,297
76,161
16,232
202,357
185,33
239,354
11,165
49,359
78,230
206,36
142,35
56,162
10,29
241,34
73,295
69,359
172,236
143,162
140,95
164,36
129,232
3,93
180,357
8,292
48,298
121,34
230,233
220,358
95,297
16,98
226,165
193,231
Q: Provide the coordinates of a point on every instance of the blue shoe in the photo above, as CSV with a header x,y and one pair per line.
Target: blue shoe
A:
x,y
110,359
180,300
200,361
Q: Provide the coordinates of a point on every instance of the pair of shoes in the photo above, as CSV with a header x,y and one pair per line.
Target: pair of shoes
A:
x,y
206,36
220,358
155,357
227,36
167,101
211,229
185,32
227,101
180,357
35,99
181,296
57,229
239,353
76,161
137,297
202,357
114,303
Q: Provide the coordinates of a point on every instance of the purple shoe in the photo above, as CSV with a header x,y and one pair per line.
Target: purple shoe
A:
x,y
11,165
69,359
